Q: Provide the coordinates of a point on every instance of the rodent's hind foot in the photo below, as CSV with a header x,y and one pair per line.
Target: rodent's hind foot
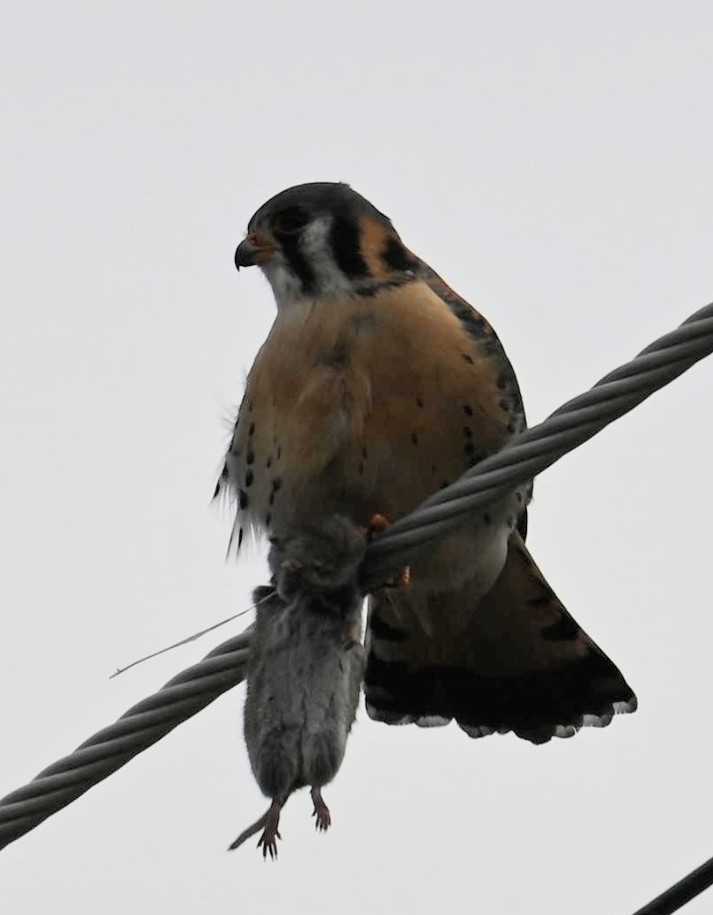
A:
x,y
321,811
268,839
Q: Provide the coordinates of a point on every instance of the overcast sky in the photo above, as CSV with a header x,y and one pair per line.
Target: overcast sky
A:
x,y
553,160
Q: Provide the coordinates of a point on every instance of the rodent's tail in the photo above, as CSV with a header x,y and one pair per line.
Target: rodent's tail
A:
x,y
250,831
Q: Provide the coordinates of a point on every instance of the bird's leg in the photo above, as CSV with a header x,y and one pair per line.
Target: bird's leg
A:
x,y
376,526
321,811
268,839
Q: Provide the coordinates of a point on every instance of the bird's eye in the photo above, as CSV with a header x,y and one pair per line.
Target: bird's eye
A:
x,y
290,220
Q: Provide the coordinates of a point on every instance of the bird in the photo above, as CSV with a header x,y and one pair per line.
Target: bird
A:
x,y
377,385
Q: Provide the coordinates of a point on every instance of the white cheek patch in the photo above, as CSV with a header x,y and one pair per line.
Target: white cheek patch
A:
x,y
316,248
286,287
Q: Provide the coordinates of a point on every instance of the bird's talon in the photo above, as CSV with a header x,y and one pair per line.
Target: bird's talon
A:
x,y
377,525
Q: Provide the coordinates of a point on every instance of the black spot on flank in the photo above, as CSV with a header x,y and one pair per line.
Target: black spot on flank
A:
x,y
276,485
501,382
469,449
268,462
249,478
419,402
268,519
243,499
397,257
511,427
518,496
487,518
467,409
344,238
467,431
504,405
241,534
251,429
564,630
250,457
414,438
279,452
468,358
364,452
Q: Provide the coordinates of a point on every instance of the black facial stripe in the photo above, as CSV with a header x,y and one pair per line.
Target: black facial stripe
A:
x,y
344,240
397,257
289,220
298,262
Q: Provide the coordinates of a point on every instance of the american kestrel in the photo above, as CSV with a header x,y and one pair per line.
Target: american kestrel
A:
x,y
376,386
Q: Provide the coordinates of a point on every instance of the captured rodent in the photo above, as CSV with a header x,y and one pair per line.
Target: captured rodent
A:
x,y
305,669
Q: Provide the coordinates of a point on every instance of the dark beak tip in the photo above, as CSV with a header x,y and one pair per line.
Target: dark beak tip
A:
x,y
245,254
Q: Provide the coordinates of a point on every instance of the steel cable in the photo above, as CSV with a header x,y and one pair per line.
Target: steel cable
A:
x,y
112,747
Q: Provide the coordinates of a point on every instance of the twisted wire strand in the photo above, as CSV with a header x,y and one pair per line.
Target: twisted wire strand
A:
x,y
112,747
224,667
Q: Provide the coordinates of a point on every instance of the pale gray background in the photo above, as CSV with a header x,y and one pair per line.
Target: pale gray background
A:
x,y
554,161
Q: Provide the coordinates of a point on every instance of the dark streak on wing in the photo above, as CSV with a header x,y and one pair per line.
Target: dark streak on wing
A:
x,y
489,344
480,330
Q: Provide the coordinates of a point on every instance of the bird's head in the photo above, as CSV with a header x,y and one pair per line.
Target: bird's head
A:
x,y
323,240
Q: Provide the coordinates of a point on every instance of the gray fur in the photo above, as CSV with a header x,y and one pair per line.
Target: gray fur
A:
x,y
306,667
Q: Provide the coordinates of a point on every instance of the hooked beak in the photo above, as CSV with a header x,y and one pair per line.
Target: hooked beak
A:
x,y
255,249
